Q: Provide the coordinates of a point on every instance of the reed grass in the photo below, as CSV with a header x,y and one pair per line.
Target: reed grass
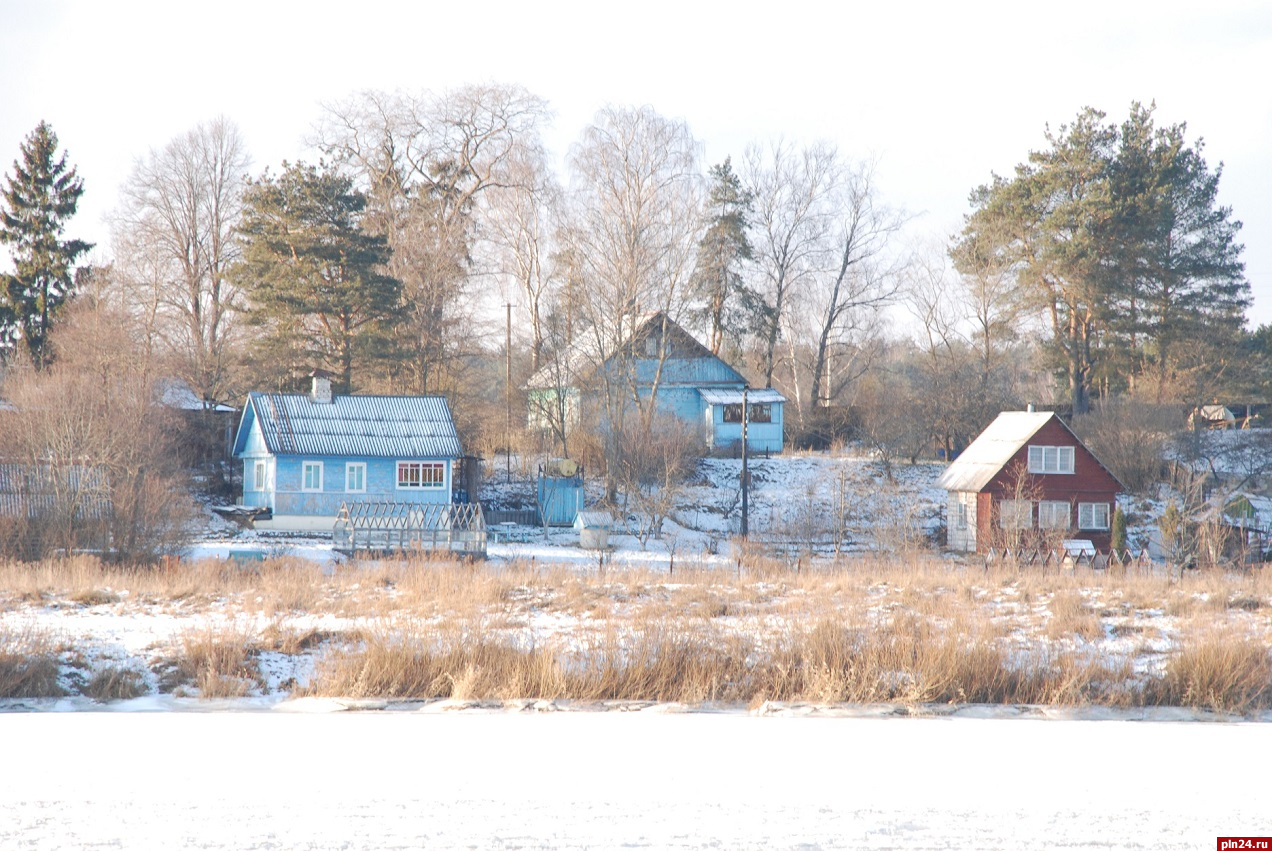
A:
x,y
911,630
29,664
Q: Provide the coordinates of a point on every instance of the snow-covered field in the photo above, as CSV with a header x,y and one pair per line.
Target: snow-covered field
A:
x,y
269,772
499,780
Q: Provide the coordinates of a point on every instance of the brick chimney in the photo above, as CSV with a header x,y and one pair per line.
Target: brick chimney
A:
x,y
320,391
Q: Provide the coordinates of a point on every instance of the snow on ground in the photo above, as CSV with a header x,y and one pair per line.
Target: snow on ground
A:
x,y
165,771
660,780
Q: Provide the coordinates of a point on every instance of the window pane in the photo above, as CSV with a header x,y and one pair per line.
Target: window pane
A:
x,y
1015,514
1053,515
1066,459
1035,459
1093,515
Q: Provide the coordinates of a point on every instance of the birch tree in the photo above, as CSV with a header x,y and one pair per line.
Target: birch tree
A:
x,y
635,223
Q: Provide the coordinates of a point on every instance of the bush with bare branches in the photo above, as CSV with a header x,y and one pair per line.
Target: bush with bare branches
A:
x,y
91,446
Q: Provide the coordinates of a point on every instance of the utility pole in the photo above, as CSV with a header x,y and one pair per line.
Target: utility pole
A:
x,y
746,479
508,392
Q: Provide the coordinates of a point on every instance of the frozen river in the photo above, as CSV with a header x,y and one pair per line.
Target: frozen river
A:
x,y
496,780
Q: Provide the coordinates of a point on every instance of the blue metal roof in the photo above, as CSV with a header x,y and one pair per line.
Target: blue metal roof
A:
x,y
373,426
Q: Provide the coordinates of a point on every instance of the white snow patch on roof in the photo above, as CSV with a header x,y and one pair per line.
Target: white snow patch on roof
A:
x,y
989,452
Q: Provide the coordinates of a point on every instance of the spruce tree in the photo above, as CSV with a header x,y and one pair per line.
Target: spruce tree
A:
x,y
39,197
717,277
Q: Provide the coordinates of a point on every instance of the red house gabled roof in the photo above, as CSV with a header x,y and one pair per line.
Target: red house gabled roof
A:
x,y
995,447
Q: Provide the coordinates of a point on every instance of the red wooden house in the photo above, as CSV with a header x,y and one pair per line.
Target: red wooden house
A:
x,y
1028,479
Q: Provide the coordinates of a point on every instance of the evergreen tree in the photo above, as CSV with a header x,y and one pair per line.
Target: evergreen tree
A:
x,y
1116,236
40,195
314,275
1045,224
717,277
1117,537
1177,273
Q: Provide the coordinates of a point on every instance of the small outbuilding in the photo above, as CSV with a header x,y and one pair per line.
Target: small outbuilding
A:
x,y
594,528
1026,478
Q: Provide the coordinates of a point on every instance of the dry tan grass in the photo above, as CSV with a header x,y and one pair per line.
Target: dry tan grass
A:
x,y
909,630
28,664
115,683
1216,668
1072,615
217,661
906,661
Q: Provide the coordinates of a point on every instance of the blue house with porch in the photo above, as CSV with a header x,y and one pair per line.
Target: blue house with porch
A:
x,y
306,453
660,357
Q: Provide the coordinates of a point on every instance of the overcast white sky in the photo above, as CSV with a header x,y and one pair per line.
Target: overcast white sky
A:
x,y
942,94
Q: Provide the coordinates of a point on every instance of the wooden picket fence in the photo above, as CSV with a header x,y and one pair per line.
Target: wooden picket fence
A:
x,y
1062,558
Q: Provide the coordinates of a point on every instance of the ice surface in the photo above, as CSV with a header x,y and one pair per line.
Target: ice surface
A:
x,y
462,780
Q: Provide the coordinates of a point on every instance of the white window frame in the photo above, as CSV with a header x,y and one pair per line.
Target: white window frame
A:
x,y
1048,460
1054,514
1018,511
260,473
1089,516
961,522
361,467
305,467
419,482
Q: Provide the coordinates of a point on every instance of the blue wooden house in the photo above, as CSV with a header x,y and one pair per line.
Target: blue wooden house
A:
x,y
306,453
660,357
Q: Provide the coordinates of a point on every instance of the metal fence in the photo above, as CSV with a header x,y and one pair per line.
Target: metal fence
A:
x,y
405,527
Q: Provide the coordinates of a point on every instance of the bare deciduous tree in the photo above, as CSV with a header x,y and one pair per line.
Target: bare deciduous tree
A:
x,y
174,237
635,221
520,231
822,246
429,163
791,219
96,445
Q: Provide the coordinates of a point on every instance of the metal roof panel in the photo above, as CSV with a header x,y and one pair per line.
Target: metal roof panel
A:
x,y
990,452
372,426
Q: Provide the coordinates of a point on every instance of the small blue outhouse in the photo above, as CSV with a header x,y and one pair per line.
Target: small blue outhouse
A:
x,y
306,453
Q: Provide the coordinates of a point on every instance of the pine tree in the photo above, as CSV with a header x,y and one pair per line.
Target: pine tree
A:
x,y
1178,278
1116,235
39,197
313,274
717,278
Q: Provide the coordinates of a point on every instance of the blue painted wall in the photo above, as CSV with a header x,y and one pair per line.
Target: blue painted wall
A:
x,y
381,485
284,494
760,437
